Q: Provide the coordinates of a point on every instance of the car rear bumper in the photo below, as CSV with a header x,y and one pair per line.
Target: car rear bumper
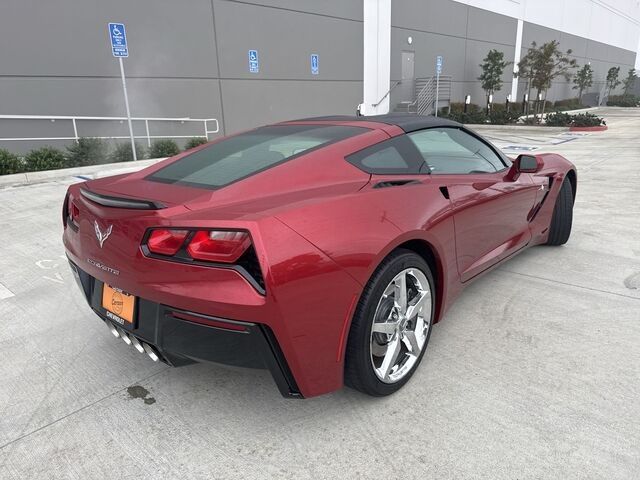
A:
x,y
180,337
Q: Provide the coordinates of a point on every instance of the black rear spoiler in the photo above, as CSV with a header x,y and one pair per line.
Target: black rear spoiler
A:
x,y
119,202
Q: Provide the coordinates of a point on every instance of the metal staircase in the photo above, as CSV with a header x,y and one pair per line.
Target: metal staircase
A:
x,y
425,96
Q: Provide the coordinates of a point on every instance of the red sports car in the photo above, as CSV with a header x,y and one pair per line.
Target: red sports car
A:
x,y
322,249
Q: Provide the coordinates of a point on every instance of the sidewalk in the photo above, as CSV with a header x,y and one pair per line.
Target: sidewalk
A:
x,y
86,173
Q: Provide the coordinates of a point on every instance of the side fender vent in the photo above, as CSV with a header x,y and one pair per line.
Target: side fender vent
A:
x,y
395,183
445,192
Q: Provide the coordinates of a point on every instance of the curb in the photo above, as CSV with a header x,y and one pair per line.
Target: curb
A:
x,y
91,172
599,128
518,128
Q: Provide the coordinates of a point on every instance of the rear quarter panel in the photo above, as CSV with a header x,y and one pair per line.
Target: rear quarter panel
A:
x,y
358,231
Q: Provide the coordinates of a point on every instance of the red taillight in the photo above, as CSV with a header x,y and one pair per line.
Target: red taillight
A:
x,y
72,211
166,242
218,246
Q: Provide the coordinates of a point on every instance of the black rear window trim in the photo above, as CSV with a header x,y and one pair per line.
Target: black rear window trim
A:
x,y
256,172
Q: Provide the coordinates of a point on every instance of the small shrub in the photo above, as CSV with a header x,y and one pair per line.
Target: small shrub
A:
x,y
45,158
469,117
123,153
531,121
558,119
623,101
586,120
195,142
10,163
579,120
163,148
87,151
502,117
458,107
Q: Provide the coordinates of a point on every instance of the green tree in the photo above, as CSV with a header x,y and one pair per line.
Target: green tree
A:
x,y
612,79
526,66
545,63
492,67
583,80
629,82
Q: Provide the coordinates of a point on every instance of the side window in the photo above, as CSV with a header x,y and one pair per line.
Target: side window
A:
x,y
395,156
451,150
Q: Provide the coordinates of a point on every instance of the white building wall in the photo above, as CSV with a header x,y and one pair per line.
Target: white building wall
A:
x,y
614,22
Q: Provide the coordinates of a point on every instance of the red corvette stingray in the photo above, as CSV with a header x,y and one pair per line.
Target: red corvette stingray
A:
x,y
322,249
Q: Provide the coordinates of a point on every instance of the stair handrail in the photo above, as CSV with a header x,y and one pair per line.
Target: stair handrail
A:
x,y
387,94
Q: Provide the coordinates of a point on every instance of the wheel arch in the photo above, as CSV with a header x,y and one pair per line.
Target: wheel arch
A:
x,y
429,254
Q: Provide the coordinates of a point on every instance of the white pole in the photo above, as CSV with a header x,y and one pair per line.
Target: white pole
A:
x,y
146,126
437,91
126,103
376,56
516,59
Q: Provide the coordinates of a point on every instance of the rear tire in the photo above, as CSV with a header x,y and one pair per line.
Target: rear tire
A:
x,y
560,228
390,331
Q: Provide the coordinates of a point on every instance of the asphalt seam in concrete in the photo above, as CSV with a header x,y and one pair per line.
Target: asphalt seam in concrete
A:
x,y
570,284
2,447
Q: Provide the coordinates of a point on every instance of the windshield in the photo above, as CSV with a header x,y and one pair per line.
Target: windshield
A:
x,y
249,153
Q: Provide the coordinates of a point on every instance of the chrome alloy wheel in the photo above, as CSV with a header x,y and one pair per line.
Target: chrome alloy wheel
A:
x,y
401,325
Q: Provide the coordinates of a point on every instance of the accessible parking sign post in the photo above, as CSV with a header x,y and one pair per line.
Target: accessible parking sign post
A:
x,y
120,50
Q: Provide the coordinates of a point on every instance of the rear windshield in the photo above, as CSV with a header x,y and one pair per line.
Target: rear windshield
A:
x,y
248,153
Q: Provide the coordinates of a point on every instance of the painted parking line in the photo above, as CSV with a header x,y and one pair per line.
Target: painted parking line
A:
x,y
5,292
520,148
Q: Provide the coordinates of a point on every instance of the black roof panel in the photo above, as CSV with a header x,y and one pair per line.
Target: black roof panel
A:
x,y
406,121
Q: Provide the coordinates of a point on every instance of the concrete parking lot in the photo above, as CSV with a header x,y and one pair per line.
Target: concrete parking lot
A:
x,y
534,372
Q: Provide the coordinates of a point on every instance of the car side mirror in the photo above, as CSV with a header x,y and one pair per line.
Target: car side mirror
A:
x,y
528,164
524,164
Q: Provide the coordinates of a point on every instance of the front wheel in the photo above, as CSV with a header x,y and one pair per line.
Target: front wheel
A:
x,y
392,324
562,219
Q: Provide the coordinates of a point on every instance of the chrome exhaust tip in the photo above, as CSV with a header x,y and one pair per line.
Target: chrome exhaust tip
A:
x,y
114,331
124,336
136,343
152,354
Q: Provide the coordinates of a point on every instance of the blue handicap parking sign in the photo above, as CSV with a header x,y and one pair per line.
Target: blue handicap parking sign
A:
x,y
439,64
315,64
254,63
118,40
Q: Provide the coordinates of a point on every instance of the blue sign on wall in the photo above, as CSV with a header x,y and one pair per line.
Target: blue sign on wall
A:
x,y
439,64
254,63
315,64
118,40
